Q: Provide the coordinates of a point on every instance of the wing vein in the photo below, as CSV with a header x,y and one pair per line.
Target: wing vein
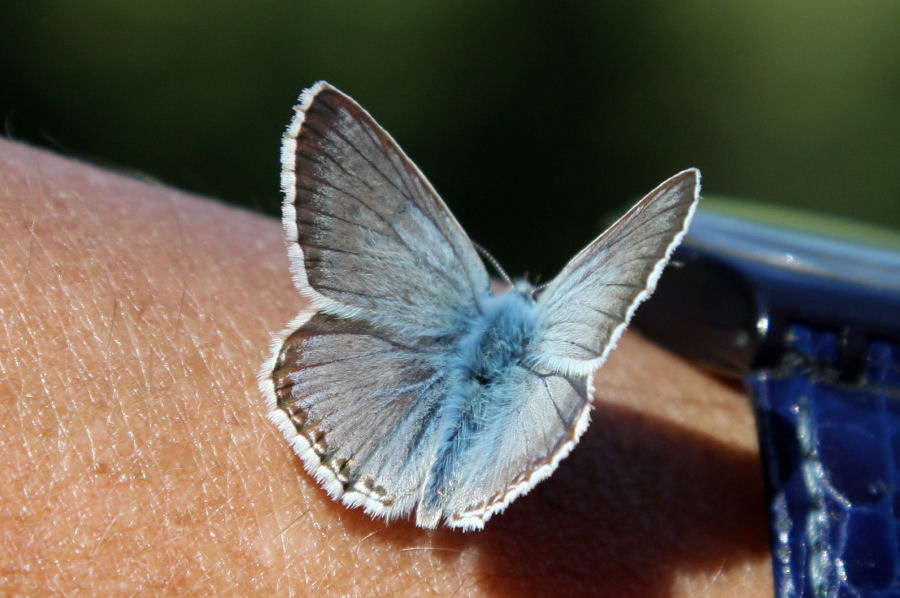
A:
x,y
554,403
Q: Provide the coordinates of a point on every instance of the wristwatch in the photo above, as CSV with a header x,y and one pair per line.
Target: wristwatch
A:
x,y
811,323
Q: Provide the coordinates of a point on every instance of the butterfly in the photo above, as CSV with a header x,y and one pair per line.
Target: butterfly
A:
x,y
407,384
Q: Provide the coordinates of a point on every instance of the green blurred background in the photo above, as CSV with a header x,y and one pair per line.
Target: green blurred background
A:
x,y
535,121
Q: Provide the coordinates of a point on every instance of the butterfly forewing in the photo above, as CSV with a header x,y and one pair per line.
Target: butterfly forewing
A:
x,y
586,307
370,235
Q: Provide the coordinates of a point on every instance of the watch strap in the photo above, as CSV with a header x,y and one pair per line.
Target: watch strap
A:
x,y
831,457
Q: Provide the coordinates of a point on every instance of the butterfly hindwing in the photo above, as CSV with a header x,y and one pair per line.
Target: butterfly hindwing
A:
x,y
525,445
355,401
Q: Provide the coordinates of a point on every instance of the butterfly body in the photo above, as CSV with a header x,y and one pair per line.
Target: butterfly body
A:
x,y
485,367
407,384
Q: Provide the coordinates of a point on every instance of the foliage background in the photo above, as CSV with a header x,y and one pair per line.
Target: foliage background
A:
x,y
536,121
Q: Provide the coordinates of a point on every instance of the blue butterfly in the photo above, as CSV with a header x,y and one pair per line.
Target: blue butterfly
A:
x,y
407,384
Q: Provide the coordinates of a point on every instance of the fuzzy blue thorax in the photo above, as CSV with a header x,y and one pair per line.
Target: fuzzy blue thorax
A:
x,y
497,339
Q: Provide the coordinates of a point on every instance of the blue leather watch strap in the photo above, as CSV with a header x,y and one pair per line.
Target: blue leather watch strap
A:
x,y
831,456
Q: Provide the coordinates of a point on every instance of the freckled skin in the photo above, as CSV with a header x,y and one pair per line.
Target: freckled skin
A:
x,y
486,352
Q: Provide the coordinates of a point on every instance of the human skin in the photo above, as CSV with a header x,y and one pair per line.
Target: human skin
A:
x,y
138,459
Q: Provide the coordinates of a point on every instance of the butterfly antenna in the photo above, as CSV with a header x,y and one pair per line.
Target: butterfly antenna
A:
x,y
538,289
494,263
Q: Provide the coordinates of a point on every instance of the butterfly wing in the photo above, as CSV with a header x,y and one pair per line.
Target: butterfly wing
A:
x,y
367,234
357,404
522,446
390,276
585,309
